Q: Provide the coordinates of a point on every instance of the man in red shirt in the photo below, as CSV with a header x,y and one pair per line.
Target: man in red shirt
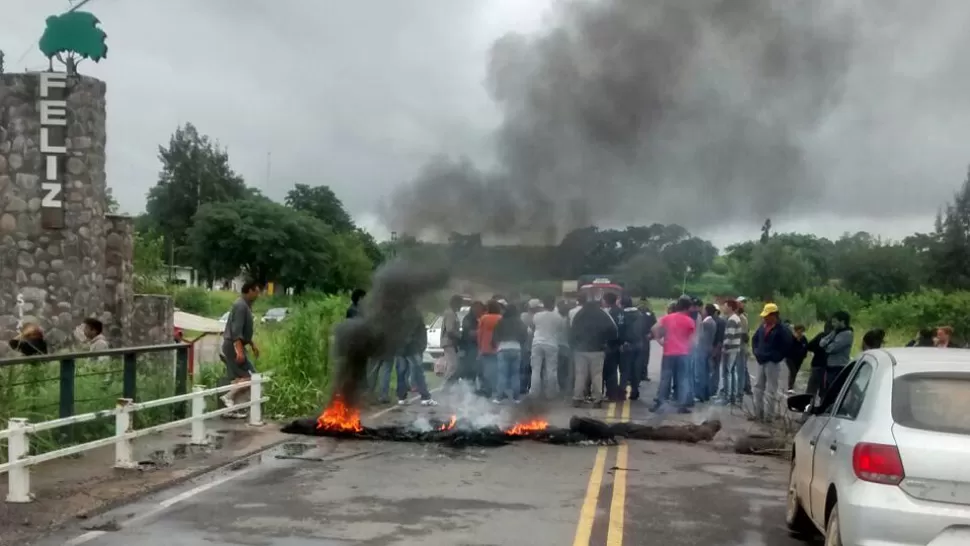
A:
x,y
674,332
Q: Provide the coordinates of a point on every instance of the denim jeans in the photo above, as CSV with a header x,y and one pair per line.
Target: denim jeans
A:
x,y
630,373
675,372
611,373
509,370
411,365
489,368
744,357
731,379
382,373
701,374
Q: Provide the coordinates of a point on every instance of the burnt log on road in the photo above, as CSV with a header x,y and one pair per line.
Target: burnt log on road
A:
x,y
582,430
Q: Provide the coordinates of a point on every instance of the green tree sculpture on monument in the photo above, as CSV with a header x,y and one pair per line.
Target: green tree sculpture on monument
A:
x,y
71,37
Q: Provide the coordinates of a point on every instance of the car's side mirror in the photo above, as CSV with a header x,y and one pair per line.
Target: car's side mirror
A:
x,y
800,403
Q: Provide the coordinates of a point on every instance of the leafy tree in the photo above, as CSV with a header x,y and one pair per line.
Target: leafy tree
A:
x,y
647,274
773,270
148,261
886,270
195,171
75,34
271,242
113,205
321,203
949,254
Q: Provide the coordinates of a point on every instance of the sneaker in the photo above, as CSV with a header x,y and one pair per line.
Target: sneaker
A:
x,y
496,401
227,401
429,402
402,402
655,407
790,392
517,401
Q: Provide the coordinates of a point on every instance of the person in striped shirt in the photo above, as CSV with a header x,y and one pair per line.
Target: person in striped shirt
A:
x,y
732,380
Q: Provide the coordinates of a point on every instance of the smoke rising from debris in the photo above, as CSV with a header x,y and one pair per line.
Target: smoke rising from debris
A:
x,y
381,329
672,111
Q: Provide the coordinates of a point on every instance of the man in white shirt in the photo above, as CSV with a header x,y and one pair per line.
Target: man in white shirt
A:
x,y
548,326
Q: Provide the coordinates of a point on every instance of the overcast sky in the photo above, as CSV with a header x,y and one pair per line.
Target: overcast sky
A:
x,y
358,95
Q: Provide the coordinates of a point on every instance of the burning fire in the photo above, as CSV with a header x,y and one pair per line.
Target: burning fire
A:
x,y
522,429
340,417
450,424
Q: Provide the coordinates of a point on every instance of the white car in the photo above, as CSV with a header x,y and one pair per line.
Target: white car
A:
x,y
434,350
883,457
276,314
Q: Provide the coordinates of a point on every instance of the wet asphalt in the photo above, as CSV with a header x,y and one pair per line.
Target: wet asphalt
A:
x,y
322,492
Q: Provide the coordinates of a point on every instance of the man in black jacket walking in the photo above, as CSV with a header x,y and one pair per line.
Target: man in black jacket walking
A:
x,y
592,330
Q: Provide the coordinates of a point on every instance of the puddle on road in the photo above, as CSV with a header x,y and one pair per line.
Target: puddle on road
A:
x,y
177,452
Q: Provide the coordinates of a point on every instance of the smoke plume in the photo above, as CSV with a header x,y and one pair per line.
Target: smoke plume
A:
x,y
381,329
671,110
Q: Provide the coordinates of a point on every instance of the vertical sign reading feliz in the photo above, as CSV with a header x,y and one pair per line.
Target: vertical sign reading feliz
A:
x,y
53,136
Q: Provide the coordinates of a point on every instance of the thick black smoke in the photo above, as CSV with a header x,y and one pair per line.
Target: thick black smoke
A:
x,y
657,108
381,329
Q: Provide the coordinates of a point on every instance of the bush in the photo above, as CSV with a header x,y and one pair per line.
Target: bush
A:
x,y
298,353
193,300
927,309
829,299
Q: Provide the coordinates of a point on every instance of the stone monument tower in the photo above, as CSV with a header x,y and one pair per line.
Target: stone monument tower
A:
x,y
62,258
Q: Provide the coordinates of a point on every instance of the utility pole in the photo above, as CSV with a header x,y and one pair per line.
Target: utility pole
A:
x,y
269,167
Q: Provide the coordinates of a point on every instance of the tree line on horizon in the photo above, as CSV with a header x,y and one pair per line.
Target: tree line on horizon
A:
x,y
200,213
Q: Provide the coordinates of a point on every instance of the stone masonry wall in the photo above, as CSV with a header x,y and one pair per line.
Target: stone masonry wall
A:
x,y
83,270
118,285
152,320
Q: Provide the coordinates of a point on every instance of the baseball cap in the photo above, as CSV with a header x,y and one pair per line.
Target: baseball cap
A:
x,y
741,299
535,303
769,309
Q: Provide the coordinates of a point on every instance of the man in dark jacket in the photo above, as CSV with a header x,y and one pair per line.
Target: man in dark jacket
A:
x,y
611,362
649,321
591,332
631,344
769,344
796,355
468,342
355,297
409,359
819,360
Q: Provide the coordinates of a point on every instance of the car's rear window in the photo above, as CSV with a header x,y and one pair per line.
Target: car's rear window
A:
x,y
938,402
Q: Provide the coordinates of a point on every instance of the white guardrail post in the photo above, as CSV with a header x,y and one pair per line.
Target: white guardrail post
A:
x,y
199,437
18,447
256,395
123,425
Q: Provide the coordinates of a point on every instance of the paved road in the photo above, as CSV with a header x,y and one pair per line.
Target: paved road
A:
x,y
343,493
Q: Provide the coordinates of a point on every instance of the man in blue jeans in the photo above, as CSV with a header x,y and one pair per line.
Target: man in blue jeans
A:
x,y
408,361
674,332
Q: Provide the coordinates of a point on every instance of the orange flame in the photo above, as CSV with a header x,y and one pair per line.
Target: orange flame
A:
x,y
340,417
450,424
527,427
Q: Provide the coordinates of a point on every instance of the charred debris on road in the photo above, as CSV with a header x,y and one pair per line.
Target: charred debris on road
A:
x,y
457,433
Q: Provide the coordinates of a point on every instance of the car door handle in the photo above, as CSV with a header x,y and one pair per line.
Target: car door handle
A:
x,y
812,442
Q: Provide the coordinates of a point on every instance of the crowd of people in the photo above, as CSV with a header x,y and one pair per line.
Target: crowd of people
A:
x,y
598,351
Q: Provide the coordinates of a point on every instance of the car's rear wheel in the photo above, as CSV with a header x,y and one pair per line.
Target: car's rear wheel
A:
x,y
796,519
833,529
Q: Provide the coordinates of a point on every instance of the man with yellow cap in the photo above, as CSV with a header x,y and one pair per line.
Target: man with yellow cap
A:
x,y
769,345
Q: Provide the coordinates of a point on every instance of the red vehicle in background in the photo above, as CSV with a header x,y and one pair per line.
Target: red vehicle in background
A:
x,y
594,287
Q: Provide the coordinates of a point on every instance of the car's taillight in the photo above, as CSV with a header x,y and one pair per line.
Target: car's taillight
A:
x,y
877,463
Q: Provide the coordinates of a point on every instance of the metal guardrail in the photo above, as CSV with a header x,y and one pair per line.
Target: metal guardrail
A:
x,y
18,431
129,356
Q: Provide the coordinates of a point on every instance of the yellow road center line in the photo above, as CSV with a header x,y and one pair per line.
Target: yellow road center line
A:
x,y
614,533
587,514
